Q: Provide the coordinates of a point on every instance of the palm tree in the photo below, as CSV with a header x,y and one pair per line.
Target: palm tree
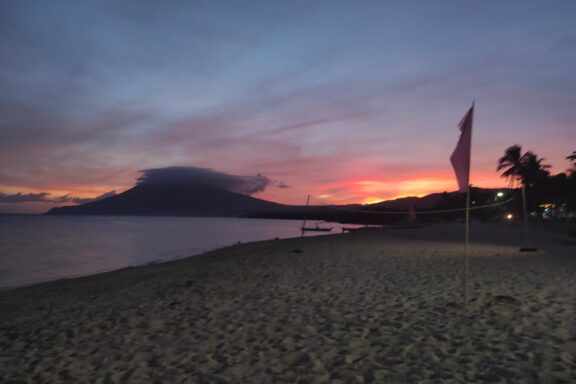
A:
x,y
572,159
526,168
512,163
572,170
533,171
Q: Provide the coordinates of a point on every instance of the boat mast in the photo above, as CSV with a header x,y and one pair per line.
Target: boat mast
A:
x,y
299,249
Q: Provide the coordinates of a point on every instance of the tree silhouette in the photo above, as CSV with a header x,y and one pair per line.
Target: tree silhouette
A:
x,y
526,168
572,159
511,162
572,170
533,171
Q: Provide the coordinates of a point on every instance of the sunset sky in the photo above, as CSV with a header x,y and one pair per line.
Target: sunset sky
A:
x,y
349,101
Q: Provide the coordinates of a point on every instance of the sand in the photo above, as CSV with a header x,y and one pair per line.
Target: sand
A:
x,y
374,307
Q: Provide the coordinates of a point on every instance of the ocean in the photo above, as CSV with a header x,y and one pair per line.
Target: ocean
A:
x,y
38,248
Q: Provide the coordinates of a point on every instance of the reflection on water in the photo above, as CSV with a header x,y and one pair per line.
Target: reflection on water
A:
x,y
41,248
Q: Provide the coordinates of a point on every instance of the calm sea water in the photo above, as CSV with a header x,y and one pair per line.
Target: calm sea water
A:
x,y
36,249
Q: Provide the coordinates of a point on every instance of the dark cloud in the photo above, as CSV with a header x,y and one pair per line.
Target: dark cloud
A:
x,y
98,89
204,176
44,197
22,198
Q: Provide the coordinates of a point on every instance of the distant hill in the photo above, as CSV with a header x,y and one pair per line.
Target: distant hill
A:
x,y
403,203
174,200
450,204
441,200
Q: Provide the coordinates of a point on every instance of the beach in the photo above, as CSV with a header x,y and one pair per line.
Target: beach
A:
x,y
380,306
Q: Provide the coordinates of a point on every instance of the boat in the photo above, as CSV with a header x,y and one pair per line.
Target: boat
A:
x,y
304,228
316,228
363,229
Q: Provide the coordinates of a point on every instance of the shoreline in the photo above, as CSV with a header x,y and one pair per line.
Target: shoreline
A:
x,y
374,306
443,233
55,247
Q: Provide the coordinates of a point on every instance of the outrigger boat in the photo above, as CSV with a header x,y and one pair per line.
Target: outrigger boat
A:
x,y
304,228
317,228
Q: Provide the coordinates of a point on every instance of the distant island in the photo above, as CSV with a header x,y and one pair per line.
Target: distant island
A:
x,y
173,200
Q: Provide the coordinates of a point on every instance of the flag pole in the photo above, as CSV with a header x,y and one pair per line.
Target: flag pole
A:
x,y
467,230
467,234
528,247
466,246
461,159
525,212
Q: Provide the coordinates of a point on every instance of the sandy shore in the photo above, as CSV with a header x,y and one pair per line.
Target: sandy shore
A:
x,y
374,307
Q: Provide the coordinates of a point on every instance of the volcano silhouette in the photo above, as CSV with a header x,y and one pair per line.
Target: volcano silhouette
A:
x,y
174,200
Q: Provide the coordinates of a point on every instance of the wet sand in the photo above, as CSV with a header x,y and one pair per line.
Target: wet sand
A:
x,y
365,307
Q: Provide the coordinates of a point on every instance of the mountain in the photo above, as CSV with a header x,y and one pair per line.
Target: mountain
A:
x,y
443,200
403,203
174,200
434,207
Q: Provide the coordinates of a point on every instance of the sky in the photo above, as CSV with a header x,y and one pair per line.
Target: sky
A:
x,y
349,101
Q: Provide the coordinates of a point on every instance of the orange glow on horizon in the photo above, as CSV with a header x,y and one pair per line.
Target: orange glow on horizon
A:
x,y
375,191
349,191
336,192
372,200
409,195
82,192
370,191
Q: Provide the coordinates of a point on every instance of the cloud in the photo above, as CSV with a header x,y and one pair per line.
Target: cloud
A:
x,y
204,176
44,197
22,198
302,97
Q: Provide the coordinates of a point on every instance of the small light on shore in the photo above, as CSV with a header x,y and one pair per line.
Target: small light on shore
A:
x,y
500,194
509,216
